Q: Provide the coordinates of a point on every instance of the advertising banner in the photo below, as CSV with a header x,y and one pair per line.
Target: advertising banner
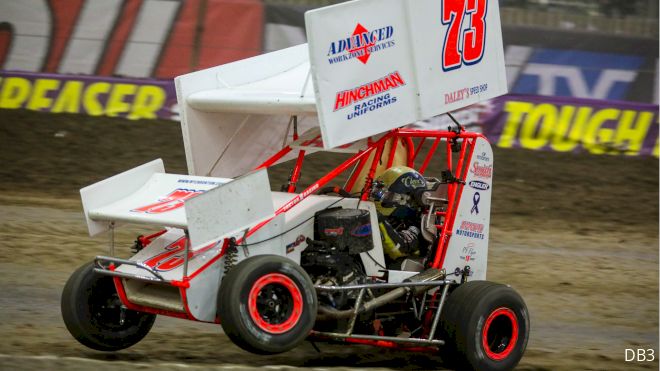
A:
x,y
511,121
132,38
374,70
573,125
92,95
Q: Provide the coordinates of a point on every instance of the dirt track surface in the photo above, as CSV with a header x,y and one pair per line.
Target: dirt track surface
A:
x,y
577,236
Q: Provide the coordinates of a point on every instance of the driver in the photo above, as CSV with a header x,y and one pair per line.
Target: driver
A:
x,y
394,193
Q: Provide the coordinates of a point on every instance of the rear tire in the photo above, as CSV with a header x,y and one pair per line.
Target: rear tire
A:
x,y
485,326
267,304
91,311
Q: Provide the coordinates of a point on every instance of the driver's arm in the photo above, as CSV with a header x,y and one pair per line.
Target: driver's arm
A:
x,y
397,244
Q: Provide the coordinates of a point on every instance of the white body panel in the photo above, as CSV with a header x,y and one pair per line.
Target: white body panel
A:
x,y
114,189
159,200
229,208
244,107
468,245
286,89
140,196
405,57
166,253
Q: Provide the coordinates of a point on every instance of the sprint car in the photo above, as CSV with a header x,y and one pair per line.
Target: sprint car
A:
x,y
276,268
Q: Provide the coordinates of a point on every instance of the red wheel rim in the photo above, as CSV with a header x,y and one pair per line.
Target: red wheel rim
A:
x,y
500,334
275,303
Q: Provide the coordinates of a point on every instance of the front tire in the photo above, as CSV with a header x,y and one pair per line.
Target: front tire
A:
x,y
486,327
93,313
267,304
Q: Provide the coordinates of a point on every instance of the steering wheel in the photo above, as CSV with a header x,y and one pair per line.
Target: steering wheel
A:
x,y
338,190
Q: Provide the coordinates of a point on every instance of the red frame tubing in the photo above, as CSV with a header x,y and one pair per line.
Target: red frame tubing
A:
x,y
392,345
429,155
410,150
419,149
374,165
356,174
146,240
311,189
441,249
451,187
463,177
274,158
296,172
393,148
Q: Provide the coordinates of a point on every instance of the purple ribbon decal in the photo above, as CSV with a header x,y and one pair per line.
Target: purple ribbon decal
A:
x,y
475,201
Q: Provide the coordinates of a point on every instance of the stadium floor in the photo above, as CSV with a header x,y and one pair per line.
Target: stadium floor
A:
x,y
576,235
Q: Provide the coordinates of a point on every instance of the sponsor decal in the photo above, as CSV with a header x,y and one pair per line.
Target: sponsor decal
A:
x,y
463,46
198,182
469,253
170,202
481,171
413,182
173,256
483,157
348,97
465,93
457,96
362,230
292,246
479,185
334,232
299,198
475,203
470,229
361,44
371,105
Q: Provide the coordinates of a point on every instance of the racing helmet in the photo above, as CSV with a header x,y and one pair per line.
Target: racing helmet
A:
x,y
395,189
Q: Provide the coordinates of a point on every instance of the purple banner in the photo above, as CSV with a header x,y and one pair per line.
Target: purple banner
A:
x,y
96,96
573,125
513,121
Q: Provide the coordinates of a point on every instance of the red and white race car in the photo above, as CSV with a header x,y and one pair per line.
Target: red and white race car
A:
x,y
277,267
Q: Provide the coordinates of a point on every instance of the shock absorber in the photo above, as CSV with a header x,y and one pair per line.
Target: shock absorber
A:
x,y
231,256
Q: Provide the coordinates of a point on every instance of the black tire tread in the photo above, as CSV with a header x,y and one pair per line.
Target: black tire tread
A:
x,y
462,310
76,319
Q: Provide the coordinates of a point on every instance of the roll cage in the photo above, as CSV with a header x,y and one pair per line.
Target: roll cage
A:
x,y
455,141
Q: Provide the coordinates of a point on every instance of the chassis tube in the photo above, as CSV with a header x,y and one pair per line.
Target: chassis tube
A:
x,y
402,289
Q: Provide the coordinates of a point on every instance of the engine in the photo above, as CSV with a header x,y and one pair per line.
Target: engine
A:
x,y
332,258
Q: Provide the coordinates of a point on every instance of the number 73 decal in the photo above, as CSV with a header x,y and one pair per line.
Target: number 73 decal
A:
x,y
463,44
